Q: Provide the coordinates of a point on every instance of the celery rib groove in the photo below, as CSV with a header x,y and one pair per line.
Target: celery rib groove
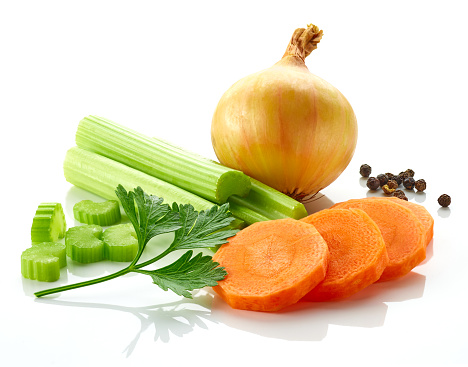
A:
x,y
101,175
162,160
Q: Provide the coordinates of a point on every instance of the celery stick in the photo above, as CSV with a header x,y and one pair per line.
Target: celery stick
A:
x,y
104,213
101,176
48,223
120,242
84,243
160,159
43,261
265,203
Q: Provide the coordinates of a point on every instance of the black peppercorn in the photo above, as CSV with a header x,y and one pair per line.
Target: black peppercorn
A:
x,y
383,179
392,184
387,189
444,200
420,185
409,172
408,183
402,176
397,179
373,183
365,170
400,195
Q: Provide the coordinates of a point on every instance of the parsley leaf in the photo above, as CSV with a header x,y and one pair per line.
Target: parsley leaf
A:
x,y
204,229
187,273
152,218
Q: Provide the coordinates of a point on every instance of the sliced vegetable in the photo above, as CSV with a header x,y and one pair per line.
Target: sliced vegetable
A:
x,y
265,203
271,265
160,159
120,242
193,230
48,223
104,213
402,231
101,175
357,252
84,243
421,212
43,261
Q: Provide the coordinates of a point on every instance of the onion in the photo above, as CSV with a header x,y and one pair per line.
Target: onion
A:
x,y
285,126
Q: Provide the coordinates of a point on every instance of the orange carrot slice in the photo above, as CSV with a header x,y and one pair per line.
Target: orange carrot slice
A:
x,y
271,265
358,255
402,231
421,212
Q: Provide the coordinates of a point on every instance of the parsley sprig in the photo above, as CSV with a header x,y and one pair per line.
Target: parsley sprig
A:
x,y
192,230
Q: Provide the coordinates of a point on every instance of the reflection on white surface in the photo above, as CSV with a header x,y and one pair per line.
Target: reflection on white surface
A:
x,y
420,197
309,321
443,212
305,321
164,321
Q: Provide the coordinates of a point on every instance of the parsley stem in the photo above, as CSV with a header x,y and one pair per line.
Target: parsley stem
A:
x,y
132,267
154,259
137,256
119,273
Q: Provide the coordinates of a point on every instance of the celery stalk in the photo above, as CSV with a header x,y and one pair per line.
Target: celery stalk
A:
x,y
162,160
265,203
101,176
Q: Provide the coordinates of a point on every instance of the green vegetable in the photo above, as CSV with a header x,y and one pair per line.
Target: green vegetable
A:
x,y
265,203
101,175
104,213
48,223
160,159
192,230
43,261
84,243
120,242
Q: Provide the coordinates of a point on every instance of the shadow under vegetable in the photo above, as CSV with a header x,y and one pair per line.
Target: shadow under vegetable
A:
x,y
169,319
309,321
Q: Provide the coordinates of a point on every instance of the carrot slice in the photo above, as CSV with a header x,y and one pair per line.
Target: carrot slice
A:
x,y
271,265
421,212
358,255
402,231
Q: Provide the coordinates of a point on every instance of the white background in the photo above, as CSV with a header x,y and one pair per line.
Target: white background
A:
x,y
160,67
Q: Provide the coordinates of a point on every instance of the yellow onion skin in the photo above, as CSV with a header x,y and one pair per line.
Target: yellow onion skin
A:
x,y
285,127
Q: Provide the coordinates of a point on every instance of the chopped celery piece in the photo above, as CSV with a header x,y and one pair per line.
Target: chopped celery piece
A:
x,y
160,159
84,243
43,261
101,175
265,203
120,242
104,213
48,223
